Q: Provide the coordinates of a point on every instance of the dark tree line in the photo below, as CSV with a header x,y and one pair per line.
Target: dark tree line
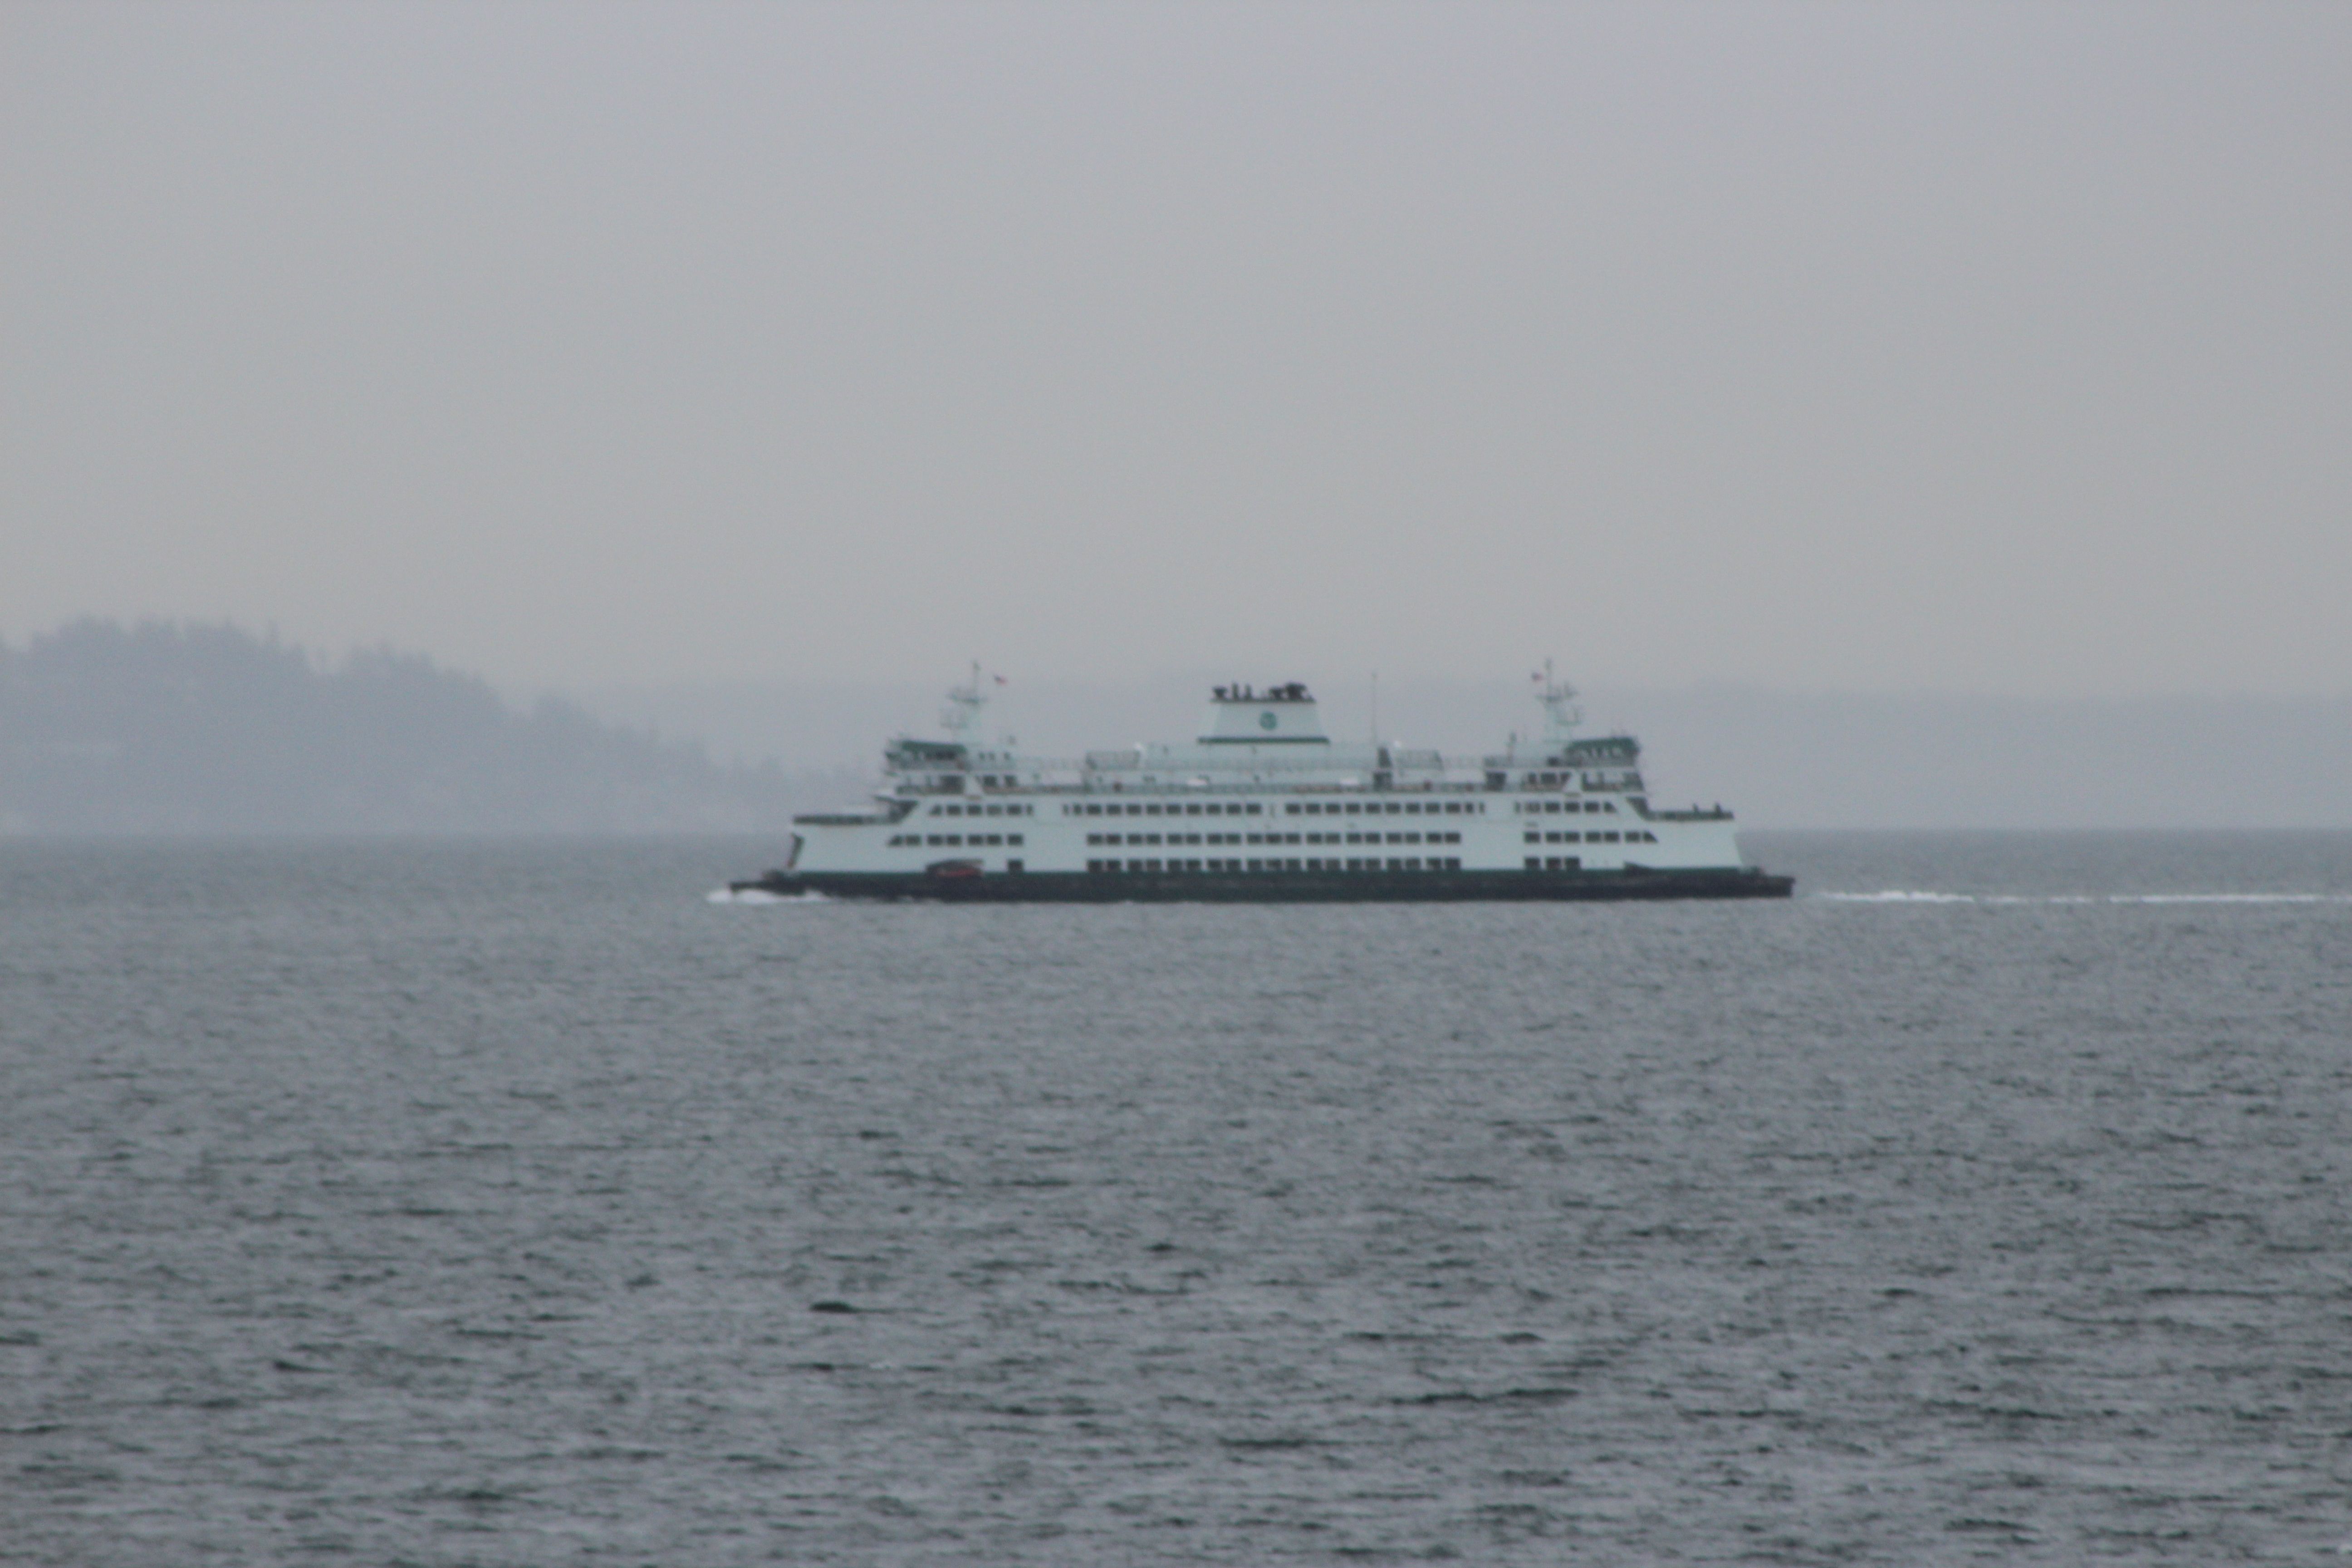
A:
x,y
169,728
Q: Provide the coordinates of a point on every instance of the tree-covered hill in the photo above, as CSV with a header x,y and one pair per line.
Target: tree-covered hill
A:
x,y
169,728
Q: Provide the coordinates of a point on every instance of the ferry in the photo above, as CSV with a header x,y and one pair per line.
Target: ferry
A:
x,y
1265,807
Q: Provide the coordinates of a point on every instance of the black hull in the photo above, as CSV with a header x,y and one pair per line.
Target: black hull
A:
x,y
1273,886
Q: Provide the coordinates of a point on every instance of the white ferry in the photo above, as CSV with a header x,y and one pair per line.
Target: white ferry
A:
x,y
1265,807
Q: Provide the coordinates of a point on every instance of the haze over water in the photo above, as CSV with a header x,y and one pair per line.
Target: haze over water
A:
x,y
515,1201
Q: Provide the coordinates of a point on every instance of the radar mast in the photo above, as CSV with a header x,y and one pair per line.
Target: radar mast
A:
x,y
961,717
1561,715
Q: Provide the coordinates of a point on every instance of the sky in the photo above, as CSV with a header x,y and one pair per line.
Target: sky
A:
x,y
1975,348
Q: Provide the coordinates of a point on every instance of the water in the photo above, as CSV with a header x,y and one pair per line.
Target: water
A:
x,y
513,1203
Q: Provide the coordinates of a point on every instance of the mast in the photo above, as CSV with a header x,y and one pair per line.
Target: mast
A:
x,y
1561,715
961,715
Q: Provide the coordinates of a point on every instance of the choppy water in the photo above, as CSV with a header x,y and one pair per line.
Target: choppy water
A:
x,y
515,1203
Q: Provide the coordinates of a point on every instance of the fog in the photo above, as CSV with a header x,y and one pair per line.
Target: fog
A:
x,y
1781,758
1974,349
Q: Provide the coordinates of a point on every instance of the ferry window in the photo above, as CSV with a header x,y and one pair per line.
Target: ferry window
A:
x,y
1191,810
1535,862
1535,838
1292,808
1253,808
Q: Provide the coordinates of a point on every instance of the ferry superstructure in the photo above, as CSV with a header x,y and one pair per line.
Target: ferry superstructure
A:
x,y
1265,807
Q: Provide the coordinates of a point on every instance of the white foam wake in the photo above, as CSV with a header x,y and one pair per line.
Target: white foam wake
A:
x,y
761,896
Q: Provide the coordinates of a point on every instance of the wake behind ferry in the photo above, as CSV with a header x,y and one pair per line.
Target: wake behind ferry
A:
x,y
1265,807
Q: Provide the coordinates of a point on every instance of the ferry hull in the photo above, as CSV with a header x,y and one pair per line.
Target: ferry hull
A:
x,y
1276,886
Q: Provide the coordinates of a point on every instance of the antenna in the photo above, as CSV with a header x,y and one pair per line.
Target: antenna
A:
x,y
964,702
1561,715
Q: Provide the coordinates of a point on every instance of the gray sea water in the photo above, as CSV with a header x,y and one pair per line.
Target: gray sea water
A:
x,y
516,1202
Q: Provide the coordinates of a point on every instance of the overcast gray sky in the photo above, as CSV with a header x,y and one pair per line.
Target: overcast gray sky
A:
x,y
1989,348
